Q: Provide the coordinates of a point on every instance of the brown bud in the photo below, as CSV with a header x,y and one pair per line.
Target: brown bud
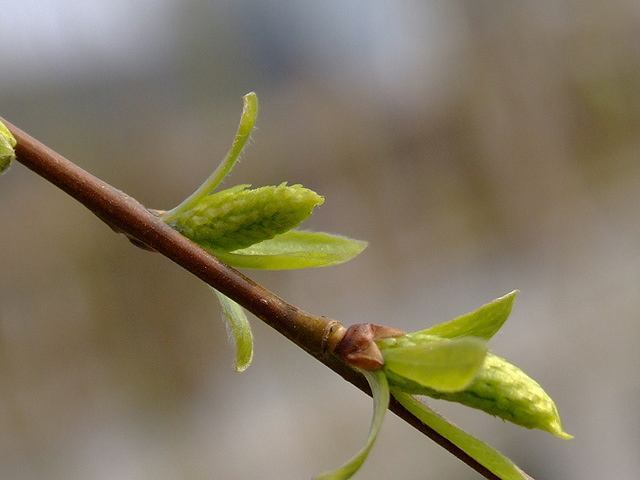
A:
x,y
358,347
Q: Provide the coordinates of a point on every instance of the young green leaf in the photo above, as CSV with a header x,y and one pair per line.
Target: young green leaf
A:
x,y
483,322
295,249
239,217
7,142
443,365
484,454
239,331
380,393
247,122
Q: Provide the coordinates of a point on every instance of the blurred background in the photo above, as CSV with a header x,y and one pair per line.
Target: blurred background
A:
x,y
478,146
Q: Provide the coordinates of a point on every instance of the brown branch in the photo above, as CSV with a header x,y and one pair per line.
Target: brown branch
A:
x,y
126,215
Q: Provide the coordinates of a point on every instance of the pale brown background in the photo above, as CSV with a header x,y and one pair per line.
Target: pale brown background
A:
x,y
479,146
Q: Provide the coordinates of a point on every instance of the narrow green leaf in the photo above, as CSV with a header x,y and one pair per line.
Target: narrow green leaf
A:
x,y
247,122
295,249
444,365
7,142
239,331
483,322
483,453
239,217
380,392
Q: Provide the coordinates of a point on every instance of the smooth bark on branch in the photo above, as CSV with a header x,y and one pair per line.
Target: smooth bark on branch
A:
x,y
124,214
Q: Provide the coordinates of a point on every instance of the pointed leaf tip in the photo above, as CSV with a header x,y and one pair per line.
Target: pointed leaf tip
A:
x,y
483,322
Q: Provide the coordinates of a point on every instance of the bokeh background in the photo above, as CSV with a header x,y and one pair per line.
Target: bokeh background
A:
x,y
479,146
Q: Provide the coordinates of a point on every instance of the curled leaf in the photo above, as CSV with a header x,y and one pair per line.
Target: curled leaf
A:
x,y
295,249
380,393
247,123
239,331
483,453
239,217
483,322
443,365
7,143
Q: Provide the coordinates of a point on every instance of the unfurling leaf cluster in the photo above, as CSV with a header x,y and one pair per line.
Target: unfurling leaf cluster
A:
x,y
450,361
253,228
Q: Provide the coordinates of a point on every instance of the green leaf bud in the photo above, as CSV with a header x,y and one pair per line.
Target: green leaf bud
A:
x,y
7,143
239,217
499,388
